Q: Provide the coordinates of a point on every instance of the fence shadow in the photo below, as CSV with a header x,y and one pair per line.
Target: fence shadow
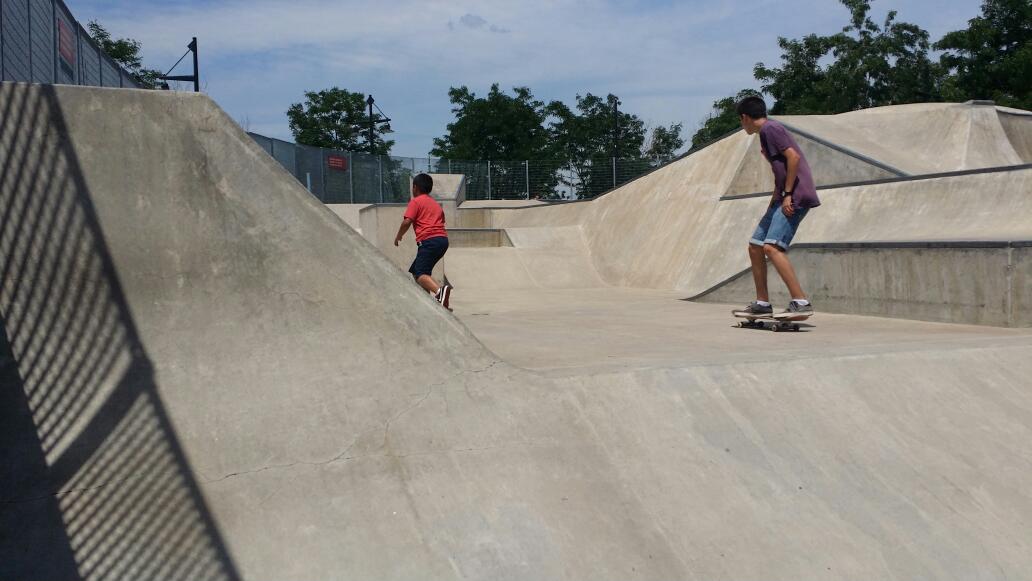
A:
x,y
93,481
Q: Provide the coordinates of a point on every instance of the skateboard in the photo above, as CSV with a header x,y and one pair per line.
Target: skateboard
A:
x,y
774,322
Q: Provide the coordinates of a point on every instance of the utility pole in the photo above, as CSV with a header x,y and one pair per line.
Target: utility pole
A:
x,y
373,121
616,135
195,77
372,124
616,127
196,66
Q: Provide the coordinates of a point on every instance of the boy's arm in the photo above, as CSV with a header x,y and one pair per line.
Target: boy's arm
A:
x,y
792,167
402,230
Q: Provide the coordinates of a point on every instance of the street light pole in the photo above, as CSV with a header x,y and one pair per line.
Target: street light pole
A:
x,y
372,124
616,135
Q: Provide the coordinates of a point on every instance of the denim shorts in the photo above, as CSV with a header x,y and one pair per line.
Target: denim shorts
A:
x,y
777,228
429,252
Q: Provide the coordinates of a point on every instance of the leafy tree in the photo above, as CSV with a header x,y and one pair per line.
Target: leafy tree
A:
x,y
992,58
497,126
336,119
871,66
587,139
722,120
663,143
501,128
126,52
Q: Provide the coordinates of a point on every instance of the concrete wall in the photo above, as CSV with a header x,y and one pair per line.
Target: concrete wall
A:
x,y
951,284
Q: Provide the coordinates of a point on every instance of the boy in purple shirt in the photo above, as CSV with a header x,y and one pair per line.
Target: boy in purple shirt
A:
x,y
794,195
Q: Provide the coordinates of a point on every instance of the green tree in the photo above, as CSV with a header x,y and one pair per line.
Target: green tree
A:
x,y
663,143
497,126
506,129
870,66
722,120
587,140
126,52
336,119
992,58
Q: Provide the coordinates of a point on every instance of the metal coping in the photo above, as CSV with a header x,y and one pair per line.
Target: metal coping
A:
x,y
880,245
909,178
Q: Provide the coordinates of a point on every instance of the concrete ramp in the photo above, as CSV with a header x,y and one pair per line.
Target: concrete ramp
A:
x,y
919,138
207,375
1018,126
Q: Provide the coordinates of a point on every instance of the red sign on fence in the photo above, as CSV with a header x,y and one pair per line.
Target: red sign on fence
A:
x,y
337,162
66,42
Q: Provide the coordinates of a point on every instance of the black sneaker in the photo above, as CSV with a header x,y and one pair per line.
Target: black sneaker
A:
x,y
445,295
756,308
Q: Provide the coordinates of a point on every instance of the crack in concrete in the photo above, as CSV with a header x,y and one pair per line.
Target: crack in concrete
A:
x,y
62,493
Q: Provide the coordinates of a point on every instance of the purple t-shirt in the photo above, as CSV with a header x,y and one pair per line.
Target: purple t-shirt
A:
x,y
774,140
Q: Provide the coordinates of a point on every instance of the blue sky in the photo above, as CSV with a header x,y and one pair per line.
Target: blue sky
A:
x,y
666,60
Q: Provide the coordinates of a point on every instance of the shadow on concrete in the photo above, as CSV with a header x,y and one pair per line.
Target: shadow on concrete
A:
x,y
93,482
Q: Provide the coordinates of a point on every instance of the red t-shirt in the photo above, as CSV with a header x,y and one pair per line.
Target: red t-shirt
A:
x,y
427,217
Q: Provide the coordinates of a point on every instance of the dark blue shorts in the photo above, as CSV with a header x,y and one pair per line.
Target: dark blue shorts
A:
x,y
429,252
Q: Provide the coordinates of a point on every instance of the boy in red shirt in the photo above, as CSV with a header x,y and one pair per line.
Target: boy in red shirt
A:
x,y
431,237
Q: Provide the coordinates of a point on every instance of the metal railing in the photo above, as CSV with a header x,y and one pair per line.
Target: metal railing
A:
x,y
41,42
344,177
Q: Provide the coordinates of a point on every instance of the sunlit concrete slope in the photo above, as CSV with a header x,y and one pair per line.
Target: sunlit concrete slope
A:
x,y
207,375
919,138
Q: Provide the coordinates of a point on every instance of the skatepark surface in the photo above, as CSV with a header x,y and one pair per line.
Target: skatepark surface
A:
x,y
578,331
207,374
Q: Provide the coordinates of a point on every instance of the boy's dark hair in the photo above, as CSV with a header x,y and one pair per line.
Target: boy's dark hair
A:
x,y
423,183
754,107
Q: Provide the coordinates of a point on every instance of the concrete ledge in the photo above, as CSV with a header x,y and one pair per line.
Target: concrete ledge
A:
x,y
972,282
478,238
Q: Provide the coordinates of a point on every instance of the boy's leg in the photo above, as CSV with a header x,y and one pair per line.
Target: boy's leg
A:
x,y
779,258
759,272
775,245
428,283
428,254
756,256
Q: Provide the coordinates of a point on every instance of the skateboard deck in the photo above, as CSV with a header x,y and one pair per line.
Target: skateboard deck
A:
x,y
774,322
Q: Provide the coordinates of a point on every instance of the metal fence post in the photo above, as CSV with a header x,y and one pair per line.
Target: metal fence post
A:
x,y
379,172
489,179
28,28
351,175
449,166
614,172
526,175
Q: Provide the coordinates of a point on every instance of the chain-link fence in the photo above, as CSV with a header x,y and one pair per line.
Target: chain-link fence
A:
x,y
343,177
40,42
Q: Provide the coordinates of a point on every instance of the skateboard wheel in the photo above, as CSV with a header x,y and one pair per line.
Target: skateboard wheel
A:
x,y
795,327
775,328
